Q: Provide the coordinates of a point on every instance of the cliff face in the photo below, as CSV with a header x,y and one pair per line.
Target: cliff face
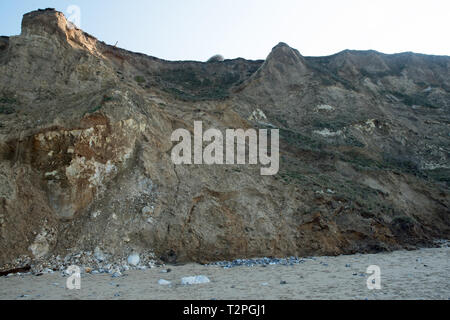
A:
x,y
85,151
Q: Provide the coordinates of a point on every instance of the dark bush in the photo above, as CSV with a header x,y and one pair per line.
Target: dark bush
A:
x,y
216,58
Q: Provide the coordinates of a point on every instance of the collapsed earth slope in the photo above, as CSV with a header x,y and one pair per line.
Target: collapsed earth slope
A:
x,y
85,148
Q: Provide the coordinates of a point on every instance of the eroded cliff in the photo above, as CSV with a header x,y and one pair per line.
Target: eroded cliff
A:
x,y
85,152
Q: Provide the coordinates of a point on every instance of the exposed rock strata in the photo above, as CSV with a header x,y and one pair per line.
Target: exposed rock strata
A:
x,y
85,151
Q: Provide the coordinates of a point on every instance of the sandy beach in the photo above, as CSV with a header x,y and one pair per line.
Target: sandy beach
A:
x,y
419,274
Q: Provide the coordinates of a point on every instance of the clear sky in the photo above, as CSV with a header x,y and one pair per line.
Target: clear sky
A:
x,y
198,29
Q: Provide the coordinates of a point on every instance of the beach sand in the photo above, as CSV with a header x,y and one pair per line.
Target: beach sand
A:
x,y
418,274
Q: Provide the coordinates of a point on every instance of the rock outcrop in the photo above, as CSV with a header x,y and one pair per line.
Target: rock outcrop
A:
x,y
85,151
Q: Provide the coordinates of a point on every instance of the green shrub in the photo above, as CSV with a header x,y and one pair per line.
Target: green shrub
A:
x,y
299,140
402,163
7,100
418,99
6,110
361,160
94,109
216,58
139,79
107,99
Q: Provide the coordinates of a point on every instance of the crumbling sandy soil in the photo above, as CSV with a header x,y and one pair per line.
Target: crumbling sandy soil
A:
x,y
85,152
419,274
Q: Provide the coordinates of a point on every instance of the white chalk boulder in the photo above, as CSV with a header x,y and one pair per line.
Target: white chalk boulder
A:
x,y
194,280
133,259
163,282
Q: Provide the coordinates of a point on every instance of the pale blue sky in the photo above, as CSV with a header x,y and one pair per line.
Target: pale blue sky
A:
x,y
198,29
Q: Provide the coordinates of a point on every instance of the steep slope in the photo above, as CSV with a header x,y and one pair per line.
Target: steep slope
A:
x,y
85,152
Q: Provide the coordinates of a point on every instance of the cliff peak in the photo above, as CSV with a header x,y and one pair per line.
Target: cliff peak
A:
x,y
52,24
44,21
283,53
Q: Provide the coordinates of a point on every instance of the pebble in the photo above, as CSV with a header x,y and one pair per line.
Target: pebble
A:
x,y
163,282
283,282
194,280
116,274
147,210
133,259
99,255
290,261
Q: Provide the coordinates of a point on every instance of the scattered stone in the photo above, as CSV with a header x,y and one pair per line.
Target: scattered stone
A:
x,y
283,282
194,280
325,107
290,261
147,210
163,282
95,214
165,270
133,259
99,255
116,274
